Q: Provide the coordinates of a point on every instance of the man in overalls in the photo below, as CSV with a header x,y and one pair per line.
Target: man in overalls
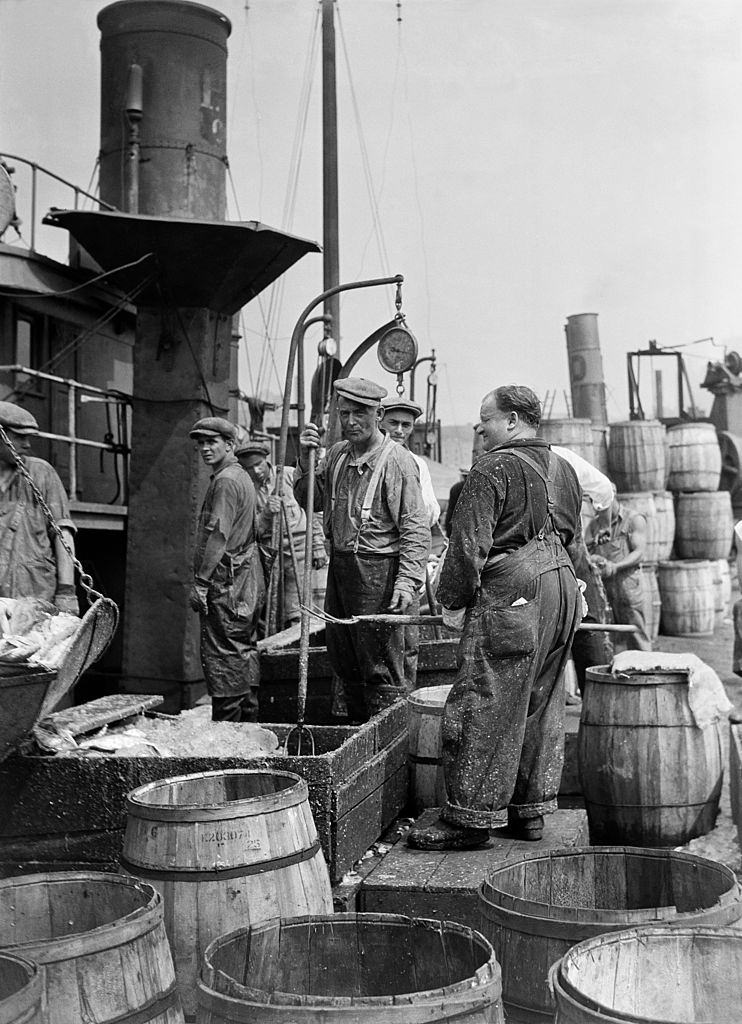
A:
x,y
226,589
618,553
368,488
508,581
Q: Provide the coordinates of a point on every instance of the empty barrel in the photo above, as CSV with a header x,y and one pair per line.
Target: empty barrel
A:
x,y
703,525
21,991
577,435
364,968
694,457
722,584
687,593
425,715
225,849
664,508
101,943
647,975
535,908
649,775
636,455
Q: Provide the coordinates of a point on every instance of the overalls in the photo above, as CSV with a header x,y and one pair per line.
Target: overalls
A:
x,y
503,724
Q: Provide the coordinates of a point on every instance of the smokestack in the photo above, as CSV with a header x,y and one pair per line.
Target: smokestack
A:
x,y
586,368
164,62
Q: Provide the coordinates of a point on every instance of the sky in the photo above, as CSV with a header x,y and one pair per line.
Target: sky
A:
x,y
526,160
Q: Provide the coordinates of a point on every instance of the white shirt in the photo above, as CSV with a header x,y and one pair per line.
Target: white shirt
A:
x,y
426,485
595,485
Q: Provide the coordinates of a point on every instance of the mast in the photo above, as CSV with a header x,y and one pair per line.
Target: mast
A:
x,y
330,217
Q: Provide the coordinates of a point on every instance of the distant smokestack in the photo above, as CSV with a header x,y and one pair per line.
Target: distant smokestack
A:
x,y
165,61
586,368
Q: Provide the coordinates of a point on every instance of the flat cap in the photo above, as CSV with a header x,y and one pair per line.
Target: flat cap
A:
x,y
358,389
214,426
18,419
396,402
248,447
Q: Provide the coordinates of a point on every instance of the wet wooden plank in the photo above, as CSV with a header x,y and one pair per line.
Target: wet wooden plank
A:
x,y
103,711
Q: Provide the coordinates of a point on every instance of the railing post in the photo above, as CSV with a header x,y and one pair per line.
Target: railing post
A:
x,y
72,428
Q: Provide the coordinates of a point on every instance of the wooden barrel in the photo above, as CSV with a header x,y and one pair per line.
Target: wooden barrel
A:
x,y
364,968
575,434
703,525
650,975
649,775
653,610
695,457
722,583
636,455
225,849
643,503
687,593
600,448
665,524
425,714
101,942
21,991
535,908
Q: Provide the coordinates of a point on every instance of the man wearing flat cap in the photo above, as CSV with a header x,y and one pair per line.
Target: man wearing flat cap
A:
x,y
374,518
399,423
227,591
33,560
253,457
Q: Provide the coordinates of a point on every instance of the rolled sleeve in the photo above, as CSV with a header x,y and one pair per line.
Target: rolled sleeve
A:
x,y
405,503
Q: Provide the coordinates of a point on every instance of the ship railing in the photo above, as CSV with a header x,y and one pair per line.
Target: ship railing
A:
x,y
86,393
36,171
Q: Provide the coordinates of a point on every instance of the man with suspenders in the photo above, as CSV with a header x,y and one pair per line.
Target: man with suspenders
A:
x,y
508,582
368,488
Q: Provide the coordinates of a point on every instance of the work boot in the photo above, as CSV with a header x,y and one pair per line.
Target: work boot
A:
x,y
442,836
529,829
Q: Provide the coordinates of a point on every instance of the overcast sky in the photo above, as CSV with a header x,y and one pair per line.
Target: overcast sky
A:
x,y
530,159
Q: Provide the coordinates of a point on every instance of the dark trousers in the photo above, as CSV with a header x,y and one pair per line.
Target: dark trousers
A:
x,y
229,658
503,724
368,660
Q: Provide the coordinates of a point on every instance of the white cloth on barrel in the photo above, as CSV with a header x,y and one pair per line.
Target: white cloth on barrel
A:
x,y
707,698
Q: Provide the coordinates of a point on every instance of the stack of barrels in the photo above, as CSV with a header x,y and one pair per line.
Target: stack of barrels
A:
x,y
637,464
696,586
672,478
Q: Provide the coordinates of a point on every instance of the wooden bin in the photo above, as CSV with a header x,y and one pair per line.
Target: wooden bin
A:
x,y
535,908
643,503
703,525
425,715
224,848
694,457
353,969
687,594
101,942
21,991
664,507
636,455
575,434
650,975
649,775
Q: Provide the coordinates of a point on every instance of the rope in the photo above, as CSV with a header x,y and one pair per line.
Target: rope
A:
x,y
85,284
86,581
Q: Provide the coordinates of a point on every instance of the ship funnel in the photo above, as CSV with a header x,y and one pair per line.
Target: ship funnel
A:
x,y
165,62
586,368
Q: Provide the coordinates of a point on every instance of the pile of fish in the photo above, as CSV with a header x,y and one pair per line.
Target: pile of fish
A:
x,y
34,633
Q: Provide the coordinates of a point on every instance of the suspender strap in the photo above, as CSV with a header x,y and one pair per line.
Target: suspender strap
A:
x,y
373,486
548,479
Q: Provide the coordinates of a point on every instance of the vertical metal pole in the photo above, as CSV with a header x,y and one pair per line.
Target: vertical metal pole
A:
x,y
72,429
659,410
330,215
33,207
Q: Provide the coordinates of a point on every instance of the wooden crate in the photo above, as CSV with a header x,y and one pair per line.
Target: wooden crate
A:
x,y
72,809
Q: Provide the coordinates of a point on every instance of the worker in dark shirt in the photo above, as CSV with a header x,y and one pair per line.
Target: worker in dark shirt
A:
x,y
226,592
453,497
509,583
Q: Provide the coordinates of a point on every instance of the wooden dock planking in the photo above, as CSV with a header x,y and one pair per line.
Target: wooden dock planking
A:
x,y
444,885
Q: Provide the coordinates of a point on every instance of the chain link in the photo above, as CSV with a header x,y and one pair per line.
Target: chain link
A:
x,y
86,581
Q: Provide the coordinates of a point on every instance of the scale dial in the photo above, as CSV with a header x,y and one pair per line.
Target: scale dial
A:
x,y
397,350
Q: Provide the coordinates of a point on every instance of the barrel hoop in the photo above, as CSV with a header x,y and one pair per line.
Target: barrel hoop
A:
x,y
155,1008
652,807
195,875
418,759
526,1014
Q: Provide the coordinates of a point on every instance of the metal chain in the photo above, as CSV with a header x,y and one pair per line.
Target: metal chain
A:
x,y
86,581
